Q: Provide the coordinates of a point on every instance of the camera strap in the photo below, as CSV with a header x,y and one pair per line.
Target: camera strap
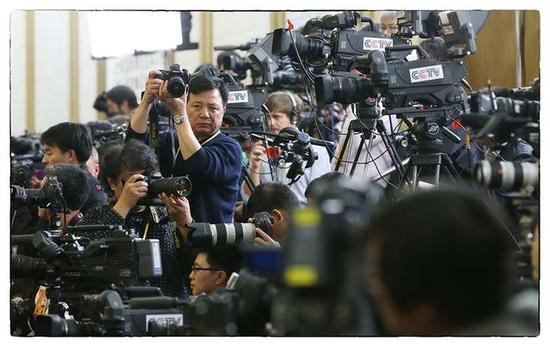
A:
x,y
146,231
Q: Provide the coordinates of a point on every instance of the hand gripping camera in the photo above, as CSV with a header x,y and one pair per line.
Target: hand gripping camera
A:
x,y
177,79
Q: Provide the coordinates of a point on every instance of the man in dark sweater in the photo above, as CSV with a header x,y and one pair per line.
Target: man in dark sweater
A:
x,y
211,160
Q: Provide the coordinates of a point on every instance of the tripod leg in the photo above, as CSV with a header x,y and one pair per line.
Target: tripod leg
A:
x,y
392,151
343,150
361,144
437,171
414,177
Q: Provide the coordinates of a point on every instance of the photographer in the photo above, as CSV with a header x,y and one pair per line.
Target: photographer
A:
x,y
71,143
440,263
123,172
121,100
284,111
278,200
211,159
212,268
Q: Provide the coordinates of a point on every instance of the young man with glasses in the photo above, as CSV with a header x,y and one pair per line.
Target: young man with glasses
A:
x,y
212,268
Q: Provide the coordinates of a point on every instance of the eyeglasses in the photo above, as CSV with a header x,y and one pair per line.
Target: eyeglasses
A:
x,y
196,268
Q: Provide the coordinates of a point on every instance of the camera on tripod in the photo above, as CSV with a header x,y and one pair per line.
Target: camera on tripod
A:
x,y
177,78
338,49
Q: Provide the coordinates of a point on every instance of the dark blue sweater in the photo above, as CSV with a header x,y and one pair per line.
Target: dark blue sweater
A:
x,y
214,172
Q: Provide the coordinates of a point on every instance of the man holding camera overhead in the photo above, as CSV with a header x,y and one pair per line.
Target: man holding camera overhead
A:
x,y
211,160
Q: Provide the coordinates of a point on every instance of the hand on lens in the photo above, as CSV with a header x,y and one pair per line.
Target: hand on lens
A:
x,y
178,208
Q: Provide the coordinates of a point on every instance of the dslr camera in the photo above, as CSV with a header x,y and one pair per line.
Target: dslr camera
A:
x,y
177,79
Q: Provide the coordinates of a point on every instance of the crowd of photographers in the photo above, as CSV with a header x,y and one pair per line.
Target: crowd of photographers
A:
x,y
258,234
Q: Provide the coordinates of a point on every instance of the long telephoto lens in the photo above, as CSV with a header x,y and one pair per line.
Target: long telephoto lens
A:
x,y
507,175
204,234
180,186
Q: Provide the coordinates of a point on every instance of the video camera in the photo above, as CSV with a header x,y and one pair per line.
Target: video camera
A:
x,y
340,48
80,264
49,196
243,111
26,159
242,309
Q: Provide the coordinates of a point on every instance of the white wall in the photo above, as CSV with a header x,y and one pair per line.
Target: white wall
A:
x,y
236,28
87,73
18,61
52,79
52,69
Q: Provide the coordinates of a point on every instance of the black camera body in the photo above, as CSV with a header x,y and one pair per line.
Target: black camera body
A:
x,y
177,78
295,148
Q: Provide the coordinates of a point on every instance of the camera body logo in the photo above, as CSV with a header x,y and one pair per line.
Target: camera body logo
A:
x,y
238,96
175,319
376,43
426,73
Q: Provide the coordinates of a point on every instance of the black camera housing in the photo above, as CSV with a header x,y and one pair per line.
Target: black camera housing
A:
x,y
177,78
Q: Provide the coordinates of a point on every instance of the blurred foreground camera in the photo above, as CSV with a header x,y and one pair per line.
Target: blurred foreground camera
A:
x,y
177,79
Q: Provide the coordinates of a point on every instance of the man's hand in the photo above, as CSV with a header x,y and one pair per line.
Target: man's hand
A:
x,y
179,210
263,239
256,155
152,87
176,105
133,190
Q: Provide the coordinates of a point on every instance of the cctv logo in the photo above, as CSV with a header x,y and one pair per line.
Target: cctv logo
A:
x,y
237,97
376,43
426,73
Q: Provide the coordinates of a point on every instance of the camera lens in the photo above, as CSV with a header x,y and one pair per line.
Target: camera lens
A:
x,y
183,186
507,175
204,234
176,86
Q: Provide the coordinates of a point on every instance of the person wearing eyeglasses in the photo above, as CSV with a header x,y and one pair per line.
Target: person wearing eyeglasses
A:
x,y
212,268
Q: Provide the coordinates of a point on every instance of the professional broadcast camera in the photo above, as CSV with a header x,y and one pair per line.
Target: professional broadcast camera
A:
x,y
243,111
337,50
26,159
242,309
156,184
204,234
75,270
177,78
49,196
